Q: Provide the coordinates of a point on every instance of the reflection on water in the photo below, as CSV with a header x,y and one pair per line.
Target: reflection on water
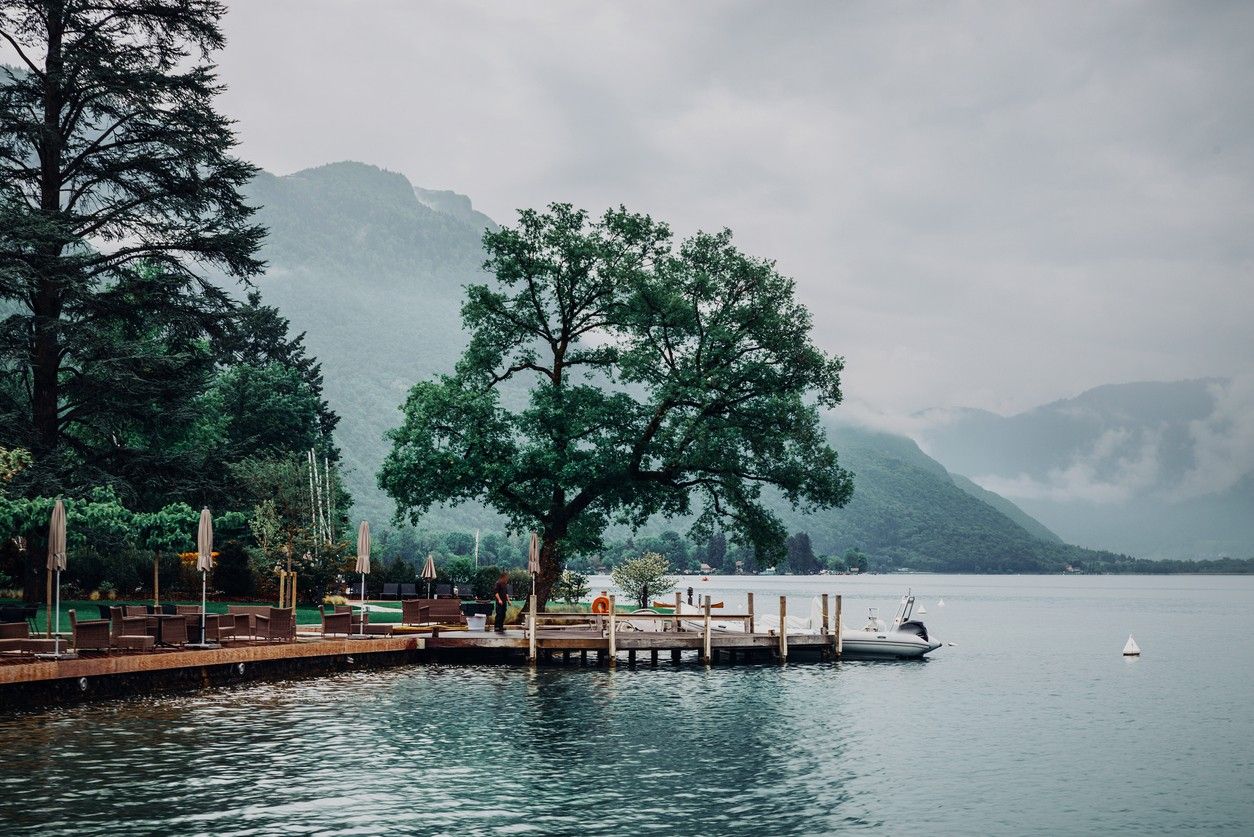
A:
x,y
1033,723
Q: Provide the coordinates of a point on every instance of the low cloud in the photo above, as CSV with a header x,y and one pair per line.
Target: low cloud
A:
x,y
1223,442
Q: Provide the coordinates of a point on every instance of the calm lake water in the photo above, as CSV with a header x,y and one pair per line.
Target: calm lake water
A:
x,y
1031,724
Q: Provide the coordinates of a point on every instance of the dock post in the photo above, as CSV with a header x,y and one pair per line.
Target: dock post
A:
x,y
824,631
583,657
840,640
531,629
631,657
826,653
751,613
613,631
783,629
678,600
705,657
675,656
653,658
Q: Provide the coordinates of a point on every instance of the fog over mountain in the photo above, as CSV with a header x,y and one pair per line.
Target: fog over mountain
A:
x,y
1157,469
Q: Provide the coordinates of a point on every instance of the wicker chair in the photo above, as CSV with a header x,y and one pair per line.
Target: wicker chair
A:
x,y
278,626
130,632
90,634
336,622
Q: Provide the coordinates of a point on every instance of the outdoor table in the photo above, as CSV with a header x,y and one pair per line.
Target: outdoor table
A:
x,y
156,620
194,624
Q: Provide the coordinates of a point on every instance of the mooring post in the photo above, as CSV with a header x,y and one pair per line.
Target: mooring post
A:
x,y
653,658
583,657
613,631
705,657
675,656
840,641
751,613
531,629
783,629
824,614
678,599
631,657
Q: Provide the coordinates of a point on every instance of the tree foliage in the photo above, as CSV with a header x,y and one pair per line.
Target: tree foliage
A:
x,y
644,577
612,376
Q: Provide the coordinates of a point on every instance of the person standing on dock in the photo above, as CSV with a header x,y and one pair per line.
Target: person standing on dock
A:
x,y
500,596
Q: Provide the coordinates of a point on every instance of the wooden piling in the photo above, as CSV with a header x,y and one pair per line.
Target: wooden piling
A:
x,y
675,656
840,640
653,657
613,632
583,657
783,629
679,597
824,614
531,629
705,656
751,627
631,657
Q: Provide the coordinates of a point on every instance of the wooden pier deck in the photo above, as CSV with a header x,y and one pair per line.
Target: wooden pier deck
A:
x,y
707,637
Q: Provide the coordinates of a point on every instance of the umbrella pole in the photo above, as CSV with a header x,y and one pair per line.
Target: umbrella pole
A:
x,y
203,603
363,604
57,641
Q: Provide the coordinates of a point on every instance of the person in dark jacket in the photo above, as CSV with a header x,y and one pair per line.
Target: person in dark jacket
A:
x,y
500,597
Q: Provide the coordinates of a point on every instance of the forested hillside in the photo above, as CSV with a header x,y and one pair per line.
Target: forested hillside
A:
x,y
372,269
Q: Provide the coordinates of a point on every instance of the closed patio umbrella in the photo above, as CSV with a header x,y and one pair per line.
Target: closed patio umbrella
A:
x,y
533,560
204,563
56,563
428,572
363,565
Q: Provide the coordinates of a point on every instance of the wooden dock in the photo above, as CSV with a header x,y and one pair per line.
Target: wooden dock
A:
x,y
706,637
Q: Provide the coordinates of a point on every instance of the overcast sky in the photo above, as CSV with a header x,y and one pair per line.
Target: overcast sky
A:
x,y
992,205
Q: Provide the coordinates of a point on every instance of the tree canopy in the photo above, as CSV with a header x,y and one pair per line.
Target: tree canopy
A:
x,y
613,375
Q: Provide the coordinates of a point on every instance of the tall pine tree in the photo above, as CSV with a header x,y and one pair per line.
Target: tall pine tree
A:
x,y
118,186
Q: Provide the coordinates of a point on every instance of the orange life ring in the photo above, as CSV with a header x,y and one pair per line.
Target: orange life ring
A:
x,y
601,605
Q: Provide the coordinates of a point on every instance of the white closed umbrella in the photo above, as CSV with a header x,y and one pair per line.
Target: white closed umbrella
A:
x,y
363,565
428,572
56,563
533,560
204,563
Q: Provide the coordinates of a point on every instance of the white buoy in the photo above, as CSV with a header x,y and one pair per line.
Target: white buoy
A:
x,y
1130,648
940,603
922,610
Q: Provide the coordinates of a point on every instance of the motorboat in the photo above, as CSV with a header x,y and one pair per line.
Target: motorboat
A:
x,y
906,638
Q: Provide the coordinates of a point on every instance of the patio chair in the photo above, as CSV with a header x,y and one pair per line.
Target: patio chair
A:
x,y
409,591
443,591
336,622
130,632
89,634
249,620
390,590
219,627
13,636
136,610
279,625
415,612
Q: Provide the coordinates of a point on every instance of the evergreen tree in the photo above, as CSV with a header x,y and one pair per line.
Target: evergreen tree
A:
x,y
117,184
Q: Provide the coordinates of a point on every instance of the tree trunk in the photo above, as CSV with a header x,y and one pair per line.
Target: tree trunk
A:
x,y
45,346
550,570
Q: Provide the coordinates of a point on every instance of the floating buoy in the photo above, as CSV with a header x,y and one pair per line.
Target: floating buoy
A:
x,y
940,603
1130,648
922,610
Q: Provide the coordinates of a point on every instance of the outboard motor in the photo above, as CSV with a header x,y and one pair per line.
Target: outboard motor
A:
x,y
915,628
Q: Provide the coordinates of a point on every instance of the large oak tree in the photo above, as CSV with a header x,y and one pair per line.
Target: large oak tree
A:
x,y
613,375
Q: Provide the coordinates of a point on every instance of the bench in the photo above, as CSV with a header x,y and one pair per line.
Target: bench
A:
x,y
391,591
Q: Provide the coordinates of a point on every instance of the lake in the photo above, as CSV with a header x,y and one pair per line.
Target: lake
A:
x,y
1031,723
